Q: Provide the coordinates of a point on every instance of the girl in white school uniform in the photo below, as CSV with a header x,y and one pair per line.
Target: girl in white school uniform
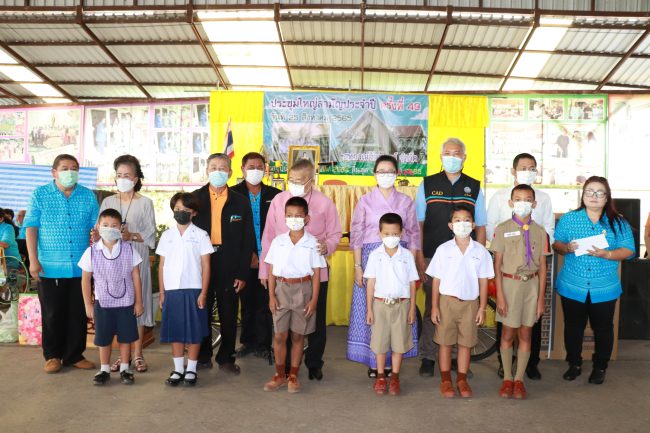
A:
x,y
183,275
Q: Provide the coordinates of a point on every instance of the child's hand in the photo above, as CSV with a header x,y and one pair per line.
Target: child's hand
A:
x,y
90,311
311,309
480,317
370,318
540,310
411,316
201,301
435,316
358,277
502,306
138,309
273,304
162,299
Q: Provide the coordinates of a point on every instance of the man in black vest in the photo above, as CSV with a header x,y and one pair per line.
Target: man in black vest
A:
x,y
226,216
434,200
256,319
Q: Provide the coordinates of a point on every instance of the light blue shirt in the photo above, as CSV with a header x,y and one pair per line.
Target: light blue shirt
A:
x,y
480,211
582,275
8,235
64,225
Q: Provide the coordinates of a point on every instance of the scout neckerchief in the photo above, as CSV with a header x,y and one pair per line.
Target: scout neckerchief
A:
x,y
526,227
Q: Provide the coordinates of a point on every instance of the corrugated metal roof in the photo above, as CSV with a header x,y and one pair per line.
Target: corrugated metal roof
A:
x,y
598,40
326,79
550,85
312,55
623,5
144,32
398,58
582,68
17,90
9,101
460,82
320,31
394,82
179,91
515,4
42,32
583,5
174,75
63,54
480,62
644,47
402,33
457,3
104,91
486,36
633,71
84,74
159,54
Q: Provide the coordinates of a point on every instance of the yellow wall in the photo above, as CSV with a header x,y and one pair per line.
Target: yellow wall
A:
x,y
464,117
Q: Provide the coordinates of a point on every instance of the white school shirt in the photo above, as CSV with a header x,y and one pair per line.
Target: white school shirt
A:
x,y
459,273
294,261
499,210
86,263
393,275
182,268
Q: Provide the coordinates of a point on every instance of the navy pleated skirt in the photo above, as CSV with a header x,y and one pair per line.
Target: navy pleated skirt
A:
x,y
182,319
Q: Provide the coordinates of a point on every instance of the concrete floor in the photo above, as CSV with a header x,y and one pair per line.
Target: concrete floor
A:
x,y
343,402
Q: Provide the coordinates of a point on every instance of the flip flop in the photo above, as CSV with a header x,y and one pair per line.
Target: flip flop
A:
x,y
116,366
140,364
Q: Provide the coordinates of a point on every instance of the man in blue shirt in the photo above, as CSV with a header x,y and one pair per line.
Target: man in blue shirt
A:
x,y
59,218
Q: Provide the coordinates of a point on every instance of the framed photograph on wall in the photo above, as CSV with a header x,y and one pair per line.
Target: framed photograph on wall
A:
x,y
311,153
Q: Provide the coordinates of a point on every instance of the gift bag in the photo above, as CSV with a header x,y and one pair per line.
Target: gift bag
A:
x,y
30,327
9,324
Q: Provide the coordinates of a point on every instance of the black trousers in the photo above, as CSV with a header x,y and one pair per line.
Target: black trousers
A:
x,y
535,343
256,319
601,319
223,293
64,319
316,340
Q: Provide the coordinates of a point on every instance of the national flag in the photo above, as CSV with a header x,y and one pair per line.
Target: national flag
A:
x,y
228,146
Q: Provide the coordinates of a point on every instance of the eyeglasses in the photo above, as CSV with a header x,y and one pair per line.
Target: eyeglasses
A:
x,y
597,194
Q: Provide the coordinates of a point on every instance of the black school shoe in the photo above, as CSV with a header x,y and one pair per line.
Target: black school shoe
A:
x,y
315,373
189,378
573,372
174,381
126,377
101,378
533,373
597,376
427,367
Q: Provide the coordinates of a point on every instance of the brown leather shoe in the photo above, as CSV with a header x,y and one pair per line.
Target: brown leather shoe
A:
x,y
506,389
276,382
84,364
463,389
293,385
230,367
394,388
52,365
447,390
380,386
520,390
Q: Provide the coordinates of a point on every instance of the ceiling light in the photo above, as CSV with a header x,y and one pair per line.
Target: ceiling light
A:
x,y
518,84
530,64
241,31
276,77
20,73
42,89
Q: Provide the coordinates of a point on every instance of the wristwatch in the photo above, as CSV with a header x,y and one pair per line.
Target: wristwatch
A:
x,y
357,265
134,237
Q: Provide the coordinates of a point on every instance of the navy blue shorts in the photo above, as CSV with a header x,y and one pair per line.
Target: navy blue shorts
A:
x,y
111,322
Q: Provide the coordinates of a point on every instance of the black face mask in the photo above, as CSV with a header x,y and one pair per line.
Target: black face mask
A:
x,y
182,217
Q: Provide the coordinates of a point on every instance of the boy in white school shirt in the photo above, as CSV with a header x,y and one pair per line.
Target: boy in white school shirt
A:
x,y
391,275
460,269
294,281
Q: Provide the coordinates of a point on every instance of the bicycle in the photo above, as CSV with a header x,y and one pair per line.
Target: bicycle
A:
x,y
487,334
12,281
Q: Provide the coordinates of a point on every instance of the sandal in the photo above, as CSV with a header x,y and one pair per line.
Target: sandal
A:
x,y
140,364
116,366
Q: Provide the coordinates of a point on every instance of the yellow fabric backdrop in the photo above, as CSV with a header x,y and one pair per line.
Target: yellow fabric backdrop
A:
x,y
464,117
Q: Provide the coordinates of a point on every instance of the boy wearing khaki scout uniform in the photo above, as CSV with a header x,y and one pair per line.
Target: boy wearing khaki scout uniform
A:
x,y
520,246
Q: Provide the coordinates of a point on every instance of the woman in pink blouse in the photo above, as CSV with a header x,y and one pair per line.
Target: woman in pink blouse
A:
x,y
364,238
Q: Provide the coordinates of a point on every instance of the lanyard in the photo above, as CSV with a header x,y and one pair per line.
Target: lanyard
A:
x,y
127,209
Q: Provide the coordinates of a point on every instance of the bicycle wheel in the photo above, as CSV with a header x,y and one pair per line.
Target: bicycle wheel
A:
x,y
216,327
487,334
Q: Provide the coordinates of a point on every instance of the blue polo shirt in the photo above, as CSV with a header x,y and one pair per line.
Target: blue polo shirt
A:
x,y
8,235
64,225
582,275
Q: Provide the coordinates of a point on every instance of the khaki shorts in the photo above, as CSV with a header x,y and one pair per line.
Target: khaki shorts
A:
x,y
390,329
521,297
293,299
457,322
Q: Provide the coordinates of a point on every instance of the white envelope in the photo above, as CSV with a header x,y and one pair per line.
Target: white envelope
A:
x,y
588,243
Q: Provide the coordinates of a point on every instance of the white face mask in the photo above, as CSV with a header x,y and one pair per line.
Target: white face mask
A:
x,y
124,185
391,241
526,177
109,234
385,180
295,224
522,208
296,189
254,177
462,229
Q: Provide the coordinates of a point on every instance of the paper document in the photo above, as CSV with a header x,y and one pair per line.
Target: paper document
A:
x,y
586,244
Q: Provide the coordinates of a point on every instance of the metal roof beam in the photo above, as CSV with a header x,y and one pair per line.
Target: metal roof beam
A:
x,y
522,48
623,59
6,93
450,12
206,51
276,18
363,39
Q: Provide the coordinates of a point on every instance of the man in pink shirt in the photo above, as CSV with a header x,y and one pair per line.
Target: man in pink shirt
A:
x,y
324,225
